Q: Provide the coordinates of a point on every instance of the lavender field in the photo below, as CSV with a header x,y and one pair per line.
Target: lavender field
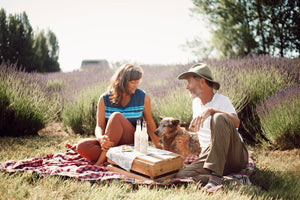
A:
x,y
33,100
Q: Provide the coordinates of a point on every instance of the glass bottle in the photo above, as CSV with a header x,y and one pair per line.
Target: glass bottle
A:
x,y
144,138
137,135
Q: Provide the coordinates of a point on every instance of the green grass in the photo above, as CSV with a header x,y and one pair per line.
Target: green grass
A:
x,y
276,177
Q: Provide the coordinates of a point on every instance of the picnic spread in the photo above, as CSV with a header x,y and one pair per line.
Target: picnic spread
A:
x,y
71,164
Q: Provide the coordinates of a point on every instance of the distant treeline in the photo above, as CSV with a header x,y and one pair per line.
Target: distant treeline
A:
x,y
28,50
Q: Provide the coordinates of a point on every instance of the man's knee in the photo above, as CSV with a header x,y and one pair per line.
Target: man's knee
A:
x,y
220,119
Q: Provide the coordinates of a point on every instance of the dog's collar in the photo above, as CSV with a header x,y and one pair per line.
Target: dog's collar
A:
x,y
177,133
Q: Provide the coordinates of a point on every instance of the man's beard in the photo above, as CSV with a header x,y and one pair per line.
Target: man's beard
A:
x,y
192,95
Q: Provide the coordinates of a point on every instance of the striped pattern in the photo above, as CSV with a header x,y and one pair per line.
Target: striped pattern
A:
x,y
129,113
132,111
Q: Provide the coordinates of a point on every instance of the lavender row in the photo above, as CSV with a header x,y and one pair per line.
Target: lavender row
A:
x,y
247,82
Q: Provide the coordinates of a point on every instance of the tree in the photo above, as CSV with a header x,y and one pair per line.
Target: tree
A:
x,y
46,52
3,36
41,51
25,42
248,27
284,17
20,40
13,37
18,45
53,47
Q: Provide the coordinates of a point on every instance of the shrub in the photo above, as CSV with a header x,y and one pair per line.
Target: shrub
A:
x,y
250,80
55,85
176,103
280,118
169,97
80,114
247,82
25,107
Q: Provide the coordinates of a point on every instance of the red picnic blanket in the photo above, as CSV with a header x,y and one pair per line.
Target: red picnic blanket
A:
x,y
71,164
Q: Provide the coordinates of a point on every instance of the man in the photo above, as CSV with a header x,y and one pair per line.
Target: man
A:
x,y
216,122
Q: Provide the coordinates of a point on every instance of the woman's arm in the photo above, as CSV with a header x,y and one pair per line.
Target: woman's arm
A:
x,y
151,127
100,132
100,126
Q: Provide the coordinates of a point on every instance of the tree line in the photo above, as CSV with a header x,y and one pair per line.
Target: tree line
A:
x,y
29,51
250,27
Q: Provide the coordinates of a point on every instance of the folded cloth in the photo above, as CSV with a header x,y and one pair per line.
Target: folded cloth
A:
x,y
124,157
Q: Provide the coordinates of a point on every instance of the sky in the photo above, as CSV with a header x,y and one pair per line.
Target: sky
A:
x,y
137,31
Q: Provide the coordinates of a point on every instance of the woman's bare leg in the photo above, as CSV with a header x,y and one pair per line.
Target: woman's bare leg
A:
x,y
89,148
119,131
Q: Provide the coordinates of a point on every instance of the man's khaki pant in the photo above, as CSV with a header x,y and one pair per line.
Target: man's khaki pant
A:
x,y
225,154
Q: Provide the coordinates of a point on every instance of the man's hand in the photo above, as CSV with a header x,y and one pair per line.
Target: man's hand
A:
x,y
105,142
198,121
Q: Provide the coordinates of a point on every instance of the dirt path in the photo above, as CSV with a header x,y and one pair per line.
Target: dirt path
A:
x,y
53,129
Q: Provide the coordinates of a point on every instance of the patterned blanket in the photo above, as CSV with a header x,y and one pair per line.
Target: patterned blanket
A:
x,y
71,164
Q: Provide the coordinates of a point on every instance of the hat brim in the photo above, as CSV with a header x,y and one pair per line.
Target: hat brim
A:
x,y
185,75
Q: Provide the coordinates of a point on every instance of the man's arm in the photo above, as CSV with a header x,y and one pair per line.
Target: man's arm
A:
x,y
197,122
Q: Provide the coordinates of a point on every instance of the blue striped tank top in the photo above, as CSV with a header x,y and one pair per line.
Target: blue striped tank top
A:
x,y
132,111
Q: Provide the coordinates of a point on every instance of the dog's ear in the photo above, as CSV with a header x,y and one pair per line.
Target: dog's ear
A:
x,y
160,117
175,122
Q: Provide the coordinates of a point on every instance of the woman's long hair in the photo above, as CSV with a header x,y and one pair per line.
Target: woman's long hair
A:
x,y
118,86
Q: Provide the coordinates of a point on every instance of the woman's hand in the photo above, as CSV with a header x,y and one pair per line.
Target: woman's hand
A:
x,y
158,146
105,142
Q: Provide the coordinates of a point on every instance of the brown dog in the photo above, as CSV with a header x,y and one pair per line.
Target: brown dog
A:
x,y
177,139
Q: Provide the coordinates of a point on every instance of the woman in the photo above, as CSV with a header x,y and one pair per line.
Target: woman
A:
x,y
118,110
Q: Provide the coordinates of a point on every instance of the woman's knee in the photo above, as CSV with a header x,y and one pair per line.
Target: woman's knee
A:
x,y
84,145
89,148
81,145
116,116
119,129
